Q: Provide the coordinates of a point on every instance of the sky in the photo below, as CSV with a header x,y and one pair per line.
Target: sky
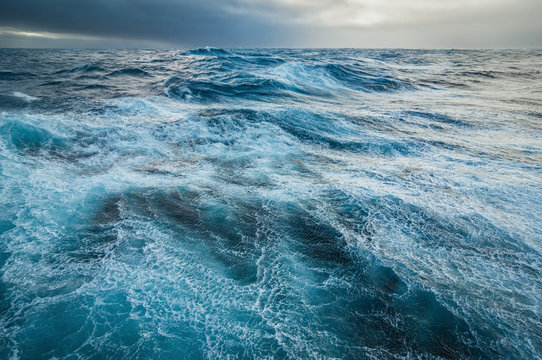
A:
x,y
271,23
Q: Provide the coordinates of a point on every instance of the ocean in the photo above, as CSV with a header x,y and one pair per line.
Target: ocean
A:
x,y
270,204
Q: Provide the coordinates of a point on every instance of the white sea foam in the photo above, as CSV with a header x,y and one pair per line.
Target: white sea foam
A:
x,y
24,96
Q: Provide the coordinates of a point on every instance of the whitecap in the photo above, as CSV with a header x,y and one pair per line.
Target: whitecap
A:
x,y
25,97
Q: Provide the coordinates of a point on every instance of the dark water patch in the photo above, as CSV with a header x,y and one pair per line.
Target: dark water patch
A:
x,y
318,240
94,86
437,331
110,212
261,59
381,147
380,124
359,79
239,62
374,308
52,83
228,123
440,118
96,77
443,83
237,87
228,234
535,114
483,74
181,210
240,116
128,72
85,68
159,172
414,323
206,51
231,234
385,281
97,239
232,177
10,102
12,76
444,145
5,226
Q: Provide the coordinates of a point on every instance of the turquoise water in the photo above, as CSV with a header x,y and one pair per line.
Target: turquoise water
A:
x,y
249,204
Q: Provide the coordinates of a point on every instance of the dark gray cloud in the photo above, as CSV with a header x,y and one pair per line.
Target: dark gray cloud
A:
x,y
264,23
182,23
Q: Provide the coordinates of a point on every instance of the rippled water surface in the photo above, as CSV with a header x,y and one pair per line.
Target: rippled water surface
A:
x,y
288,204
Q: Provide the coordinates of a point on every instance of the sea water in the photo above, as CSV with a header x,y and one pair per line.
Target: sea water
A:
x,y
258,204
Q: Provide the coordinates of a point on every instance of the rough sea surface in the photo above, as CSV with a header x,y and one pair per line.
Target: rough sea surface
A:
x,y
270,204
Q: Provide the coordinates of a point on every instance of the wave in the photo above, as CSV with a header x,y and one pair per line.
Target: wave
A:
x,y
320,130
209,51
128,72
440,118
15,100
12,102
10,75
360,79
286,80
95,86
85,68
29,138
52,83
235,87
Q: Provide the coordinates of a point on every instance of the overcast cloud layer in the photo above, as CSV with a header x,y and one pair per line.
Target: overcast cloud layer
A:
x,y
271,23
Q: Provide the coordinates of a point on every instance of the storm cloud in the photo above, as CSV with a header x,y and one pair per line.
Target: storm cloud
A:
x,y
258,23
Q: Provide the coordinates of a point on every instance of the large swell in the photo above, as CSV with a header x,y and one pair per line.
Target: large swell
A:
x,y
222,204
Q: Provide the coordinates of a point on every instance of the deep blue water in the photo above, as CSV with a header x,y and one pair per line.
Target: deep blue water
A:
x,y
254,204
